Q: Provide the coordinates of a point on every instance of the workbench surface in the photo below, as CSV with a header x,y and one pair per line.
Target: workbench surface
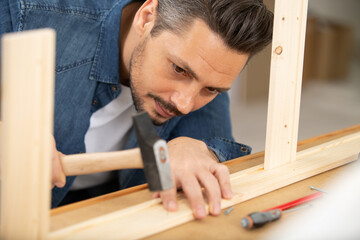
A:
x,y
220,227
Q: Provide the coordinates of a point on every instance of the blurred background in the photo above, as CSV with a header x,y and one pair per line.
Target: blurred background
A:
x,y
330,97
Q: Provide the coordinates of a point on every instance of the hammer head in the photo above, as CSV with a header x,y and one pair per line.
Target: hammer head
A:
x,y
154,154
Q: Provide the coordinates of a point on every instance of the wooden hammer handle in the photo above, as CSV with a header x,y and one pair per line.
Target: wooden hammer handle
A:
x,y
86,163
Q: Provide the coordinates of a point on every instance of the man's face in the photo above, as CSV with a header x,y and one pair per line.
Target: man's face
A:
x,y
173,75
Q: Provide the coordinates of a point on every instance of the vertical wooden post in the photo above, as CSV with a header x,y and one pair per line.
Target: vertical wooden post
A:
x,y
285,82
27,111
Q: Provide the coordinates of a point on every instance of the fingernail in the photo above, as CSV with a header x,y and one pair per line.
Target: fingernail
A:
x,y
171,206
200,211
216,208
60,184
228,193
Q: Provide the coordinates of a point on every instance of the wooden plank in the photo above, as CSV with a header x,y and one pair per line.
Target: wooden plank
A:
x,y
229,226
27,104
95,200
285,82
225,226
150,217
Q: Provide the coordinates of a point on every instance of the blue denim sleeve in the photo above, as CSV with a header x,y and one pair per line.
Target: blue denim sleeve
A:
x,y
212,125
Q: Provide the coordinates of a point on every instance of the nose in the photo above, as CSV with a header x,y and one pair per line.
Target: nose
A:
x,y
184,100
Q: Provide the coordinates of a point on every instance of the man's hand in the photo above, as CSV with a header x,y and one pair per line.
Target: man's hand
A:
x,y
194,167
58,178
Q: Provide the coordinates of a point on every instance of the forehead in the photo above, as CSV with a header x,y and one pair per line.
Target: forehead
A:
x,y
205,51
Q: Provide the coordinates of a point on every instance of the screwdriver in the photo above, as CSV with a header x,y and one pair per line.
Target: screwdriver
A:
x,y
258,219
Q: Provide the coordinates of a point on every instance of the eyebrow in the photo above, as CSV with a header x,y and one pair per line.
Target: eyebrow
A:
x,y
187,68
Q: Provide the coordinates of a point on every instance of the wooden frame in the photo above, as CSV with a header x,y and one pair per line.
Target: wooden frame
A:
x,y
282,165
27,104
285,82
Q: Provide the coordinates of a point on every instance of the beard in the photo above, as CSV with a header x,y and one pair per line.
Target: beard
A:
x,y
136,61
135,66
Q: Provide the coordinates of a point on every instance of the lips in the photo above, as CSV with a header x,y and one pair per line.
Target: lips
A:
x,y
162,111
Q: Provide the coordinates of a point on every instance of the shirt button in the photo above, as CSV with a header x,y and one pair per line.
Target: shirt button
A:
x,y
115,88
94,102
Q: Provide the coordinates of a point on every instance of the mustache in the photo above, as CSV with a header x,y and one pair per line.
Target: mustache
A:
x,y
168,106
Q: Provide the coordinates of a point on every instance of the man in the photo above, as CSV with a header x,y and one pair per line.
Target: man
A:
x,y
176,59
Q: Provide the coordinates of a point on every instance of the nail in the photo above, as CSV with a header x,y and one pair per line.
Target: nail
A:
x,y
228,194
171,205
229,210
317,189
217,208
60,184
200,211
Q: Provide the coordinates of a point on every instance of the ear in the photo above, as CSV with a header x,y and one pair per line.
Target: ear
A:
x,y
145,17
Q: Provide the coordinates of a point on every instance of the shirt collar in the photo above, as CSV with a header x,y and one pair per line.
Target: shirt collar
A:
x,y
105,67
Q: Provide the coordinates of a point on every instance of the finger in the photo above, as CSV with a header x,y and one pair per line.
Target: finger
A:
x,y
212,190
192,190
221,172
156,195
168,198
58,176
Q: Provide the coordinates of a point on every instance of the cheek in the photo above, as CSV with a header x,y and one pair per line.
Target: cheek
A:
x,y
155,77
157,70
145,77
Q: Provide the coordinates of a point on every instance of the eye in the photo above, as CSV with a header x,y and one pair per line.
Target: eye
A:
x,y
179,70
212,91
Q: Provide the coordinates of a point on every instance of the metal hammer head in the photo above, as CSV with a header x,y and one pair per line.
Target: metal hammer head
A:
x,y
154,154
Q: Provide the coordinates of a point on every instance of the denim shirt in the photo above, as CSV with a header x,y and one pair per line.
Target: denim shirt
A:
x,y
87,78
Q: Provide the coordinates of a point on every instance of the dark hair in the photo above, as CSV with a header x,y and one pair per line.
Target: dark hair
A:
x,y
244,25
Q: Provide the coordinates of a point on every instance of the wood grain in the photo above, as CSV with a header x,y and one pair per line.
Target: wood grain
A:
x,y
285,82
28,68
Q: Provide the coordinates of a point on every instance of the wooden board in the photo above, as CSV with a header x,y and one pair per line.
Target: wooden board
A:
x,y
229,226
150,217
285,82
27,112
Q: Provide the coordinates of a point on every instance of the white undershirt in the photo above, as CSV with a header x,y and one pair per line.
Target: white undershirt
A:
x,y
108,131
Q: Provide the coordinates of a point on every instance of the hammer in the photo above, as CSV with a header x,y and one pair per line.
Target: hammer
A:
x,y
152,155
